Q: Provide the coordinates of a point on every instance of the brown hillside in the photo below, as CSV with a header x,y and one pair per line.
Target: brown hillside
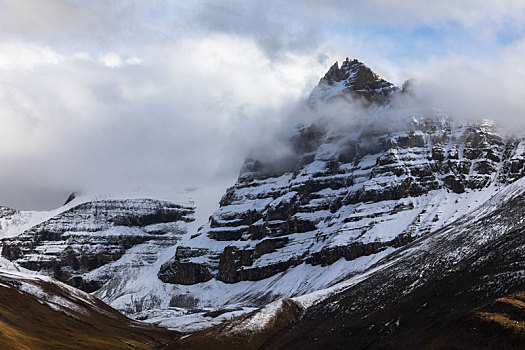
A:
x,y
30,322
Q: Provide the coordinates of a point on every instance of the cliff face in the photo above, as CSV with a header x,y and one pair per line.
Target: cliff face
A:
x,y
348,192
90,235
348,196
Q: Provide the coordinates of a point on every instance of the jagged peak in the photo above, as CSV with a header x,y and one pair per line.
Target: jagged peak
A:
x,y
352,79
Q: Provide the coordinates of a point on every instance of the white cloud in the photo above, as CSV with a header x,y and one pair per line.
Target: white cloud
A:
x,y
111,60
21,56
133,61
186,115
489,88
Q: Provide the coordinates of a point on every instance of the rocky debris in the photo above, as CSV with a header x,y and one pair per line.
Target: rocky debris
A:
x,y
91,235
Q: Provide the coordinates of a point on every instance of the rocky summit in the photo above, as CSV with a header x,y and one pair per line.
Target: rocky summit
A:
x,y
352,79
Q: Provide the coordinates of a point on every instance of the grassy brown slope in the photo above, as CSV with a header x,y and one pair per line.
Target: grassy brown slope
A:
x,y
28,323
499,324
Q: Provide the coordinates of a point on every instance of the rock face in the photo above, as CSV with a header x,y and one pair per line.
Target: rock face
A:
x,y
353,79
82,239
185,273
349,193
460,287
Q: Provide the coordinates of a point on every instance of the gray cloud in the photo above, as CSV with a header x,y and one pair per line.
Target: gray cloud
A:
x,y
408,13
276,26
45,19
111,97
184,117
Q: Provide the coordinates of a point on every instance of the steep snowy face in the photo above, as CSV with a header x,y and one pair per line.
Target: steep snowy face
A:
x,y
77,242
347,195
348,192
353,79
452,287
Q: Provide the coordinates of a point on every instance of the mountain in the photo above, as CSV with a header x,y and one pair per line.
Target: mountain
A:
x,y
78,242
94,241
460,287
364,215
345,198
426,214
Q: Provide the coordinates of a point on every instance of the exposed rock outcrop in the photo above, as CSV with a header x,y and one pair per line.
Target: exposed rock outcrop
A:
x,y
352,79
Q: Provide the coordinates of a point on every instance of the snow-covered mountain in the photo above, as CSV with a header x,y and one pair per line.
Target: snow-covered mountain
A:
x,y
460,287
77,244
349,199
345,198
352,79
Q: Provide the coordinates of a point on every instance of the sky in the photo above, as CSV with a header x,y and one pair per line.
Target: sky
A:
x,y
109,97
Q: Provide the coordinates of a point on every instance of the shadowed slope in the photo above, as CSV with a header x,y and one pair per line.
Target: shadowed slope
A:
x,y
43,314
